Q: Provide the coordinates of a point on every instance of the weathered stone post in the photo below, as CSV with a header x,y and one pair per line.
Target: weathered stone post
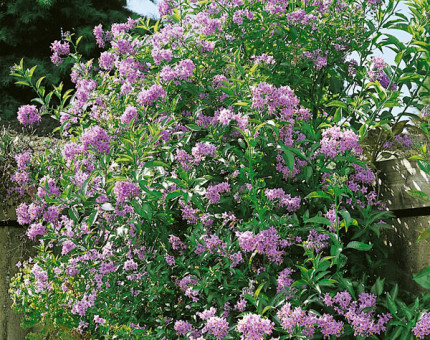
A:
x,y
412,216
12,250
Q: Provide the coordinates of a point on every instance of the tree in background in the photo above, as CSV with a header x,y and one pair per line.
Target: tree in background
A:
x,y
28,27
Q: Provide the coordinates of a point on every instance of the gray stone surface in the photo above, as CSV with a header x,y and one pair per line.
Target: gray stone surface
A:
x,y
12,250
397,176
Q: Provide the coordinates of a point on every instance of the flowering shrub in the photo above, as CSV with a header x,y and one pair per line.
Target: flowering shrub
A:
x,y
212,183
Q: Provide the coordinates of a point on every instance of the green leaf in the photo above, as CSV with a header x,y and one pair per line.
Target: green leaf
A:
x,y
392,307
423,278
359,246
319,220
289,159
399,127
337,103
318,194
378,287
420,195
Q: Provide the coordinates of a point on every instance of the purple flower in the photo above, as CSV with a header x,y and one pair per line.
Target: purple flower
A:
x,y
316,241
129,114
98,34
422,327
336,142
291,203
170,260
203,149
41,277
297,317
106,61
97,138
23,160
240,305
149,96
124,190
184,159
51,214
35,230
67,247
22,214
130,265
329,326
214,191
99,320
182,327
165,7
206,314
218,327
28,114
58,50
284,280
254,327
176,243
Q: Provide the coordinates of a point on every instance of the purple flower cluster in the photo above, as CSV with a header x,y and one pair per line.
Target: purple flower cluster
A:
x,y
297,318
182,327
41,277
357,313
27,214
284,280
67,247
80,306
377,72
149,96
182,71
300,17
184,159
206,314
165,7
213,192
225,116
316,241
59,49
254,327
264,58
218,327
240,14
23,160
279,102
35,230
201,150
107,60
176,243
266,242
285,200
124,190
28,115
422,327
335,142
129,114
97,138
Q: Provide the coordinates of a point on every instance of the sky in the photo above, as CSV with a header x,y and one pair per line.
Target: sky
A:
x,y
143,7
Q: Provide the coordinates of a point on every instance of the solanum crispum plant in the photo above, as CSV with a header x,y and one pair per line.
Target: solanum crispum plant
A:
x,y
207,186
